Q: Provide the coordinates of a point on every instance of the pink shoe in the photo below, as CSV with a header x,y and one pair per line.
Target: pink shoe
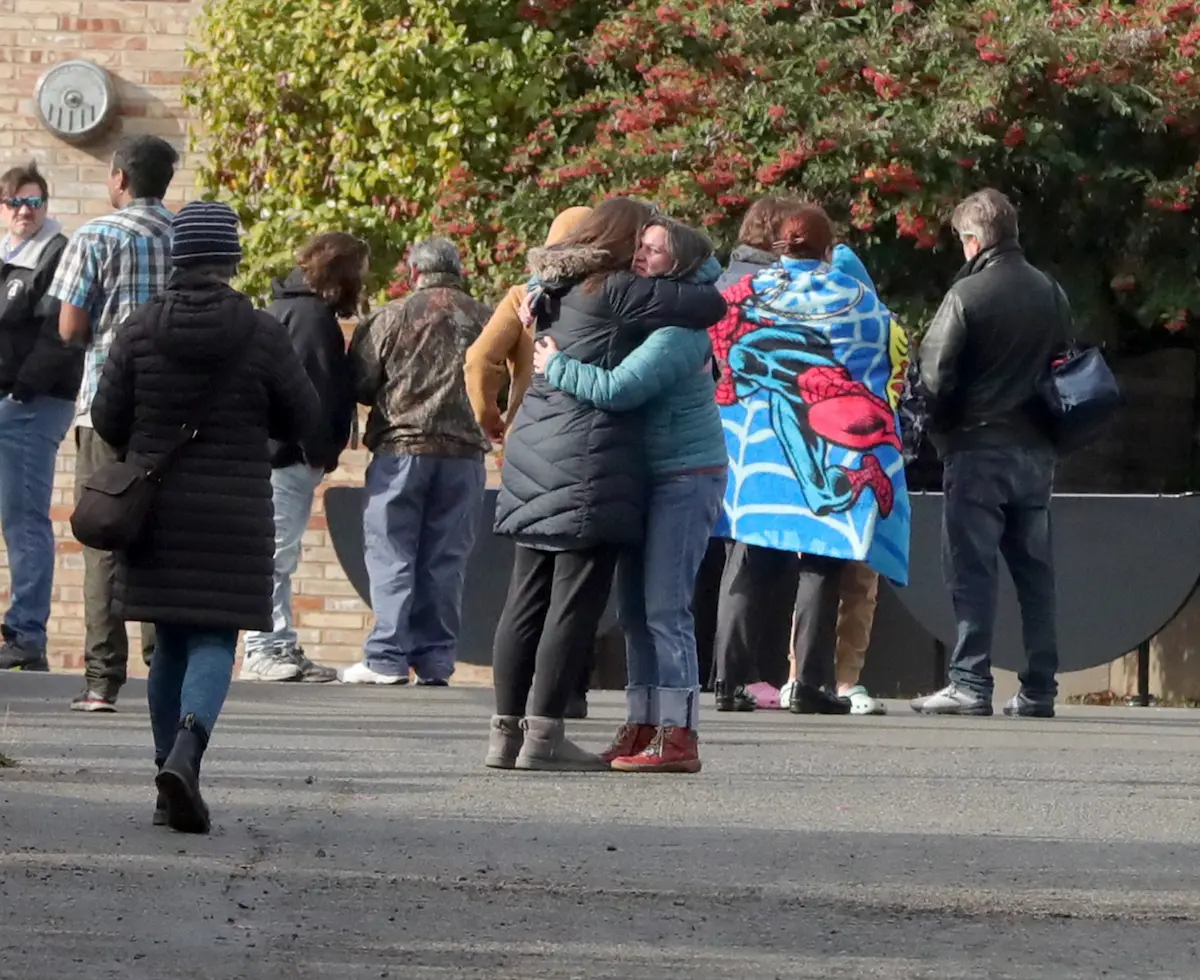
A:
x,y
766,696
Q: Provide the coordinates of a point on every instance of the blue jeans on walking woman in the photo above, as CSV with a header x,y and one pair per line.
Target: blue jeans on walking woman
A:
x,y
189,675
30,434
655,587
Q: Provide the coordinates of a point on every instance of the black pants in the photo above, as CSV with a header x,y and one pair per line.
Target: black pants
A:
x,y
997,502
546,636
706,601
761,588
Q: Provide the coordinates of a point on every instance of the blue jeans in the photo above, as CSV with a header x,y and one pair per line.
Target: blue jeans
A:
x,y
189,675
655,587
292,494
997,502
419,528
30,434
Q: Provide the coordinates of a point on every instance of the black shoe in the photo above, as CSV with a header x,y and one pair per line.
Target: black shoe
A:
x,y
160,802
1021,705
576,708
94,701
814,701
734,700
432,682
179,780
13,656
311,673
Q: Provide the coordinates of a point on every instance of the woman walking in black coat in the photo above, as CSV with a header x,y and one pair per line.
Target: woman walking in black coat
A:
x,y
574,484
200,357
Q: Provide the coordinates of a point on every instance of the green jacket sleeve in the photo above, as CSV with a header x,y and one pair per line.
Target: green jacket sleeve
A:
x,y
659,363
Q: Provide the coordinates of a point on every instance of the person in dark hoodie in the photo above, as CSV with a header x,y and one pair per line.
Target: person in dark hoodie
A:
x,y
199,358
39,377
326,284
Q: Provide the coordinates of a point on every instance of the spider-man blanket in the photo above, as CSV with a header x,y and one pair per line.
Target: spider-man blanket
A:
x,y
812,369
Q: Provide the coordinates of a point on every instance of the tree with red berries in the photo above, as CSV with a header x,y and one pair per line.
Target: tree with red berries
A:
x,y
887,112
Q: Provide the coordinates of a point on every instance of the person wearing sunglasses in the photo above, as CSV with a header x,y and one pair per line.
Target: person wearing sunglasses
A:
x,y
39,376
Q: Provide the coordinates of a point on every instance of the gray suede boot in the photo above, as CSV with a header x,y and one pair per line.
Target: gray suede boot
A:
x,y
547,749
504,742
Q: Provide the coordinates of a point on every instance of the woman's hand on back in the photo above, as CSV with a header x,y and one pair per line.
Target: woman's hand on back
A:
x,y
527,310
543,350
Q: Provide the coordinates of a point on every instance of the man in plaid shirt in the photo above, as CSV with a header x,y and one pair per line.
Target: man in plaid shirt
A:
x,y
111,267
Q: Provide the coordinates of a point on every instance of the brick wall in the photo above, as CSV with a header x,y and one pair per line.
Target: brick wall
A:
x,y
142,45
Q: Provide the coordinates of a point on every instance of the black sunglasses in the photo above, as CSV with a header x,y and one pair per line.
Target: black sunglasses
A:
x,y
16,202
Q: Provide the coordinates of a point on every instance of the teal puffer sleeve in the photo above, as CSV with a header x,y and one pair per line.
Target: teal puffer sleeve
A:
x,y
658,364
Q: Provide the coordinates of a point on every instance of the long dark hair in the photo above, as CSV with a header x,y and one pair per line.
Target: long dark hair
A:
x,y
615,227
332,262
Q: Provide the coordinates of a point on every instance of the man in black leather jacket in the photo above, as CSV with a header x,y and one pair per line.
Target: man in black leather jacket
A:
x,y
992,340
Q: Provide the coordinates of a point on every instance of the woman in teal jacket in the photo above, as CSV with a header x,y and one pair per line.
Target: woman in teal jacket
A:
x,y
670,378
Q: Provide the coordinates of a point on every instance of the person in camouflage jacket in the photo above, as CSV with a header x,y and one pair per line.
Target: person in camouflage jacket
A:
x,y
426,478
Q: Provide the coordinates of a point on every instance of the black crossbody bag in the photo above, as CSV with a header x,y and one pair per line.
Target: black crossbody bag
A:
x,y
116,501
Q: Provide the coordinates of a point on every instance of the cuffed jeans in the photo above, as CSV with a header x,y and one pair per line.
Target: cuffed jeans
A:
x,y
30,434
419,527
997,502
292,489
655,587
189,675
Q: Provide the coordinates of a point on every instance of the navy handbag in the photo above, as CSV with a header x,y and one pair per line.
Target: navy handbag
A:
x,y
1079,389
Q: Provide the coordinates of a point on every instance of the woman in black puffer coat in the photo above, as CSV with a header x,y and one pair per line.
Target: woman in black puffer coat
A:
x,y
574,485
199,355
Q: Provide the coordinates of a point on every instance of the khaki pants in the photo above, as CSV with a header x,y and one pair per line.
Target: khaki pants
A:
x,y
106,644
859,589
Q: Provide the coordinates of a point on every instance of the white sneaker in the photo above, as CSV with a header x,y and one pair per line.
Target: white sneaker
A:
x,y
785,694
270,665
951,701
360,673
861,703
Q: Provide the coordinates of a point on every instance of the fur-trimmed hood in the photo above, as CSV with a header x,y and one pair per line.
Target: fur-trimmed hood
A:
x,y
558,264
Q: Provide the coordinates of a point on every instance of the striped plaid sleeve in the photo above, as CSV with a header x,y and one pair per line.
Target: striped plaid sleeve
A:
x,y
77,280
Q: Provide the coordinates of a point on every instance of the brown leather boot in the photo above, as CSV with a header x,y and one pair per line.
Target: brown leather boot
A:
x,y
629,740
672,750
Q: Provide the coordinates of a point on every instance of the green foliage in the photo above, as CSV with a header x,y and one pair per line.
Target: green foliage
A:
x,y
481,119
350,114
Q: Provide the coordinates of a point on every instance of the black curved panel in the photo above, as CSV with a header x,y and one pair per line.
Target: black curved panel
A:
x,y
1125,565
487,571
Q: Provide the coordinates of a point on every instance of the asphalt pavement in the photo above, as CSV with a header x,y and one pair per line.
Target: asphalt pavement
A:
x,y
357,835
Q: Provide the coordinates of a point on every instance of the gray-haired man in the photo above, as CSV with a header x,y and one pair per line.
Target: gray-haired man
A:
x,y
992,340
426,478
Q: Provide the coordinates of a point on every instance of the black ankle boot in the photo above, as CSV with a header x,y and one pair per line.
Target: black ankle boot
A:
x,y
733,699
179,780
160,802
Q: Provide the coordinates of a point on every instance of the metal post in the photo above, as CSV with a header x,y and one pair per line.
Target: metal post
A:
x,y
1143,675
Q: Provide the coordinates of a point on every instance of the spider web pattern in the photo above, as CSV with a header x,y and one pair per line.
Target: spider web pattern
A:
x,y
764,504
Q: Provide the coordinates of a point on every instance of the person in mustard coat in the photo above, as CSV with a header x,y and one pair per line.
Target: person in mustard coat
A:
x,y
504,349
